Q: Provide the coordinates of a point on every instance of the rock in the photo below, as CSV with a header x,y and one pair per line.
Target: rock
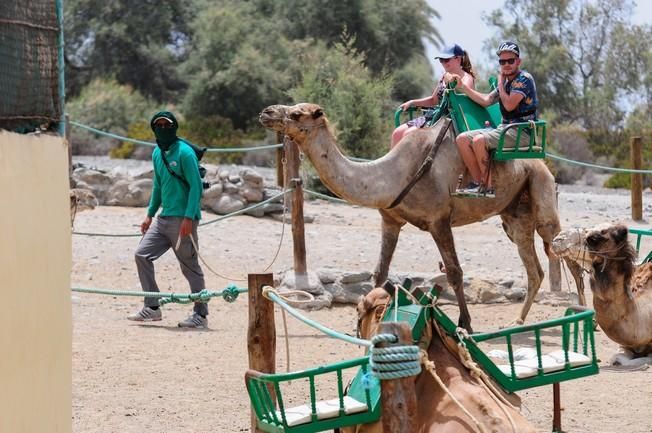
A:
x,y
252,178
126,193
230,188
308,282
258,212
227,203
516,294
213,192
272,207
351,293
234,178
355,277
252,195
327,275
507,283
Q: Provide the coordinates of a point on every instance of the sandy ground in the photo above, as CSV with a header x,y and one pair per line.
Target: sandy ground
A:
x,y
131,378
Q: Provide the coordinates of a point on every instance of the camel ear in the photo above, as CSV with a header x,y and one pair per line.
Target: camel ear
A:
x,y
619,233
317,113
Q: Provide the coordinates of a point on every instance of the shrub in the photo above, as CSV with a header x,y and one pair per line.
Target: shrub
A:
x,y
108,106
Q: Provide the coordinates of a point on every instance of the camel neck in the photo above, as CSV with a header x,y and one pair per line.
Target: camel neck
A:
x,y
372,184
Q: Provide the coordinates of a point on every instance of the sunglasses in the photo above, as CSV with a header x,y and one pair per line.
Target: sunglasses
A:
x,y
507,61
443,61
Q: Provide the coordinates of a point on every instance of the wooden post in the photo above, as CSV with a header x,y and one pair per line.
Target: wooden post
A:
x,y
69,144
398,396
298,232
280,157
261,335
637,180
556,408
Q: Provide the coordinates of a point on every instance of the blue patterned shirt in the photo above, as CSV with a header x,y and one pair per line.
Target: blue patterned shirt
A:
x,y
526,110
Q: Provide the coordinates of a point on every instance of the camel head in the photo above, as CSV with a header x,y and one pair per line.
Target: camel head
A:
x,y
295,121
598,248
371,308
80,200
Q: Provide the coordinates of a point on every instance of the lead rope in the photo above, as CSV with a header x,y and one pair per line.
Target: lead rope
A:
x,y
468,362
194,244
477,373
430,366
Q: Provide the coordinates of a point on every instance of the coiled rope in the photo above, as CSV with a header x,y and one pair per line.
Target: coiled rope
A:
x,y
394,362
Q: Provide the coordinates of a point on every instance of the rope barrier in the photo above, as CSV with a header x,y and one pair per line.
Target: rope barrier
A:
x,y
229,294
274,296
151,144
602,167
221,218
325,197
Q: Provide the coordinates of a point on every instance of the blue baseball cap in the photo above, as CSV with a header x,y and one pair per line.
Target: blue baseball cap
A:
x,y
450,52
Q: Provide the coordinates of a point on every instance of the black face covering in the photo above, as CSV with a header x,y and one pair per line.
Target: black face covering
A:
x,y
165,137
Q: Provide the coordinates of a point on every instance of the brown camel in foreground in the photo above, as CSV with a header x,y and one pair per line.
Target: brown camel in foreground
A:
x,y
525,194
436,411
622,291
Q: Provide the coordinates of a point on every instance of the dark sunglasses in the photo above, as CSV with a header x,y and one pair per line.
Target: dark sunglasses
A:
x,y
442,61
507,61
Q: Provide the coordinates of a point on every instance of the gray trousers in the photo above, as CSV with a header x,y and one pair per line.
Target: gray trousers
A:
x,y
161,236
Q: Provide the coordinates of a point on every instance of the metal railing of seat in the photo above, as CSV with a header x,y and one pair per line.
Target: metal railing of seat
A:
x,y
640,233
316,416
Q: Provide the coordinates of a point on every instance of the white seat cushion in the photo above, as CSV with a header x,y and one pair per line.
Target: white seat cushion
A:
x,y
575,359
523,149
331,408
548,363
325,409
521,371
296,415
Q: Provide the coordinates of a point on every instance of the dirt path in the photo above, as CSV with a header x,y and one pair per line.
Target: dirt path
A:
x,y
131,378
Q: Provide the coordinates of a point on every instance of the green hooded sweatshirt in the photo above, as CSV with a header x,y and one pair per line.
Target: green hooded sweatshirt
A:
x,y
175,197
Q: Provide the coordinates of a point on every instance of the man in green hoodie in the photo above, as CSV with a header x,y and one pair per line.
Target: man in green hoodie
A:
x,y
177,189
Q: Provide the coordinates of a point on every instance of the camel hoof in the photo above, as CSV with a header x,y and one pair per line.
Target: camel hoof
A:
x,y
466,325
515,322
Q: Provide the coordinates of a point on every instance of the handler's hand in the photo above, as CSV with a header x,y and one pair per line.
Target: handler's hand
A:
x,y
186,227
145,225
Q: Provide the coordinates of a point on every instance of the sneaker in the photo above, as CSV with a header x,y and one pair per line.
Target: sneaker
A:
x,y
194,321
471,187
147,314
487,192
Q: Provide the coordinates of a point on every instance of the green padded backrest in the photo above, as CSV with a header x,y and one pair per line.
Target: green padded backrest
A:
x,y
468,116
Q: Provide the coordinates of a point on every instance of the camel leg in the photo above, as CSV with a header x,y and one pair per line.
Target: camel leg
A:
x,y
520,230
443,236
391,228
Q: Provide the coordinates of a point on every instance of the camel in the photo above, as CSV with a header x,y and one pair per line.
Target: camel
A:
x,y
622,291
436,411
525,194
81,200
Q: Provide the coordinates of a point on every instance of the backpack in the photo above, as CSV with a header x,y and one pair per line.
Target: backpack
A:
x,y
199,154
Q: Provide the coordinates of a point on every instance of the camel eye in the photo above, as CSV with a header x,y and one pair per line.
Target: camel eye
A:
x,y
295,115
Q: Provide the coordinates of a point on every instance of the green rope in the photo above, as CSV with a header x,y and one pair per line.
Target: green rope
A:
x,y
223,217
326,197
393,362
229,294
602,167
272,296
148,143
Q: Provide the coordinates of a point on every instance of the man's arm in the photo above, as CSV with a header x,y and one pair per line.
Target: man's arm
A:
x,y
510,101
155,199
483,99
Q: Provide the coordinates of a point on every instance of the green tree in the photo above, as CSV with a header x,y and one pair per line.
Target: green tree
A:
x,y
585,56
356,104
138,43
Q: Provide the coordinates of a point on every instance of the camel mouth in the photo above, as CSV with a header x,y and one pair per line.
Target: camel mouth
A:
x,y
269,118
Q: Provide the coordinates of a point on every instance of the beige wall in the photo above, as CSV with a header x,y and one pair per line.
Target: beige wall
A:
x,y
35,260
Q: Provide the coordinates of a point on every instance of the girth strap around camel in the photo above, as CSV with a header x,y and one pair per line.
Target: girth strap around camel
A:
x,y
425,166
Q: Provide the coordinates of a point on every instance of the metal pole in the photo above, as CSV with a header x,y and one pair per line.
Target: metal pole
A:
x,y
61,62
637,180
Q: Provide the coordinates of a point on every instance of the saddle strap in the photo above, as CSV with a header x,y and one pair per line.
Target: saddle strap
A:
x,y
425,166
